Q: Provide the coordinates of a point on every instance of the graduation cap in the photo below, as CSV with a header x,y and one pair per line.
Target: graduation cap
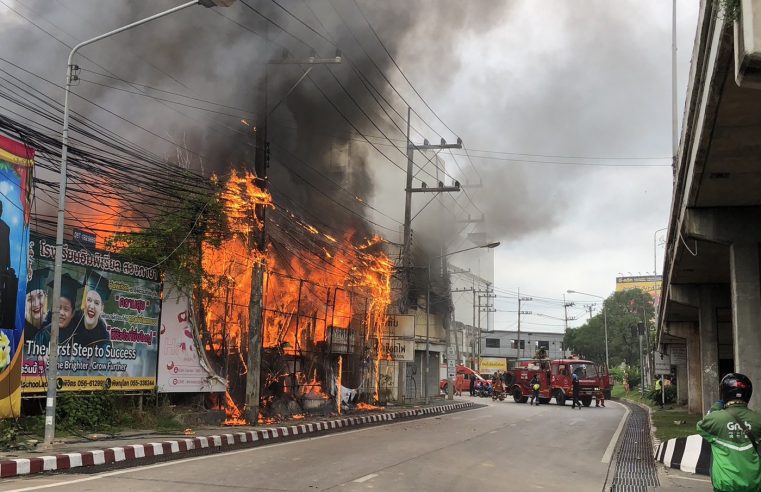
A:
x,y
38,280
69,288
99,284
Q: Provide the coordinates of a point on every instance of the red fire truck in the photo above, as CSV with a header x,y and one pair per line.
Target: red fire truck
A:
x,y
555,380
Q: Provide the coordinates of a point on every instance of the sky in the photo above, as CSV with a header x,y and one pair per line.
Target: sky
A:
x,y
556,102
570,78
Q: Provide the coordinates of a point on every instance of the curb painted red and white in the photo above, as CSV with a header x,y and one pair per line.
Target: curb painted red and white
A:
x,y
215,443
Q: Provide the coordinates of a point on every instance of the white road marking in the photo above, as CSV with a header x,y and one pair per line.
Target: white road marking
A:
x,y
690,478
365,478
198,458
613,440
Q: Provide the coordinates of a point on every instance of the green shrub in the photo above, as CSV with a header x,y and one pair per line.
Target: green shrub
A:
x,y
8,434
90,412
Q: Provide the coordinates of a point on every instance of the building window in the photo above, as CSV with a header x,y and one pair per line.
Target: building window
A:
x,y
492,343
514,344
543,344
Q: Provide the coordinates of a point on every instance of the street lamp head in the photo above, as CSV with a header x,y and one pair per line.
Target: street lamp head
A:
x,y
491,245
216,3
570,291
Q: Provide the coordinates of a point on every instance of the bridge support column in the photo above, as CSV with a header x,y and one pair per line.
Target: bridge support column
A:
x,y
693,383
709,347
746,313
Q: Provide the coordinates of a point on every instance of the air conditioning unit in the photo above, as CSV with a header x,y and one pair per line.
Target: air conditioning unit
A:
x,y
748,45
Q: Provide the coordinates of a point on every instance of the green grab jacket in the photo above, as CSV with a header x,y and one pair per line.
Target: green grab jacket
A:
x,y
736,465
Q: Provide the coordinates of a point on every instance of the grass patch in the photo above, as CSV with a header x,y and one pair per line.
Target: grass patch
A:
x,y
668,422
633,395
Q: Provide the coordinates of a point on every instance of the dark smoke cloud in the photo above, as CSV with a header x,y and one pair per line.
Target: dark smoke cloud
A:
x,y
200,53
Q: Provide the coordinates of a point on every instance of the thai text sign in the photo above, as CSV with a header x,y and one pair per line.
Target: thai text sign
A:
x,y
490,365
397,350
401,326
662,363
340,340
108,320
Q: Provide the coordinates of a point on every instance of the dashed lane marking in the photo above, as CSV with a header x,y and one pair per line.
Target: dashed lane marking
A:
x,y
365,478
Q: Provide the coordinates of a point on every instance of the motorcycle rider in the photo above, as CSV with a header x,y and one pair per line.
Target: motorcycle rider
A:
x,y
733,431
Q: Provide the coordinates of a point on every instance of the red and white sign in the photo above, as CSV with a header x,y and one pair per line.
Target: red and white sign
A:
x,y
180,369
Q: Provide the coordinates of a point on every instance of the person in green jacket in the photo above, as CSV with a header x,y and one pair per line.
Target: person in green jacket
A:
x,y
730,426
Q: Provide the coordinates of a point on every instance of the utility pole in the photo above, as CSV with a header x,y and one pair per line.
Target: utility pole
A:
x,y
261,163
476,342
256,296
520,312
588,307
566,305
409,190
482,294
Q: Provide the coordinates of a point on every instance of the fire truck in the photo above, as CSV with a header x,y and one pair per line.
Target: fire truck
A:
x,y
555,380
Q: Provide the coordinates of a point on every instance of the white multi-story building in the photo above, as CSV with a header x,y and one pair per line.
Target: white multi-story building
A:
x,y
505,344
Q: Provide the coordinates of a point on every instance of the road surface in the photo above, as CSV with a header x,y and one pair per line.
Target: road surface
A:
x,y
504,446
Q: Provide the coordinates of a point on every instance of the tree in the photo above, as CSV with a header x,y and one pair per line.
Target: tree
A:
x,y
625,310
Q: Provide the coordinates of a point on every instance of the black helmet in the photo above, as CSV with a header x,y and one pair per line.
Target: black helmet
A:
x,y
735,386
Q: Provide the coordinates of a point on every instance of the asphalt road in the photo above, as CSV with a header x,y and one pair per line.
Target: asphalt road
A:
x,y
504,446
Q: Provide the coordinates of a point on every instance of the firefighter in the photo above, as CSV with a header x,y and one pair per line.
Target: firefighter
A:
x,y
576,390
535,386
733,431
600,399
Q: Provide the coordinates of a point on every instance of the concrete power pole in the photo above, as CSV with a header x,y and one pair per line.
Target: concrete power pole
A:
x,y
409,190
521,312
256,298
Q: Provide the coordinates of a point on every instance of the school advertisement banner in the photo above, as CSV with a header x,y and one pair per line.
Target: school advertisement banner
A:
x,y
16,161
108,320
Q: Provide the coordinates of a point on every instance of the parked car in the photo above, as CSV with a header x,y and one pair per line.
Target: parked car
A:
x,y
462,381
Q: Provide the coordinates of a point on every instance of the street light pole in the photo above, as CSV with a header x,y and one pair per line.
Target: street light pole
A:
x,y
605,322
450,388
655,250
52,370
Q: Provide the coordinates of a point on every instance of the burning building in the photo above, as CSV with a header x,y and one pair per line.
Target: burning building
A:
x,y
325,301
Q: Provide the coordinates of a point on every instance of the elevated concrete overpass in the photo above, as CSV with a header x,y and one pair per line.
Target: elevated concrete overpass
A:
x,y
711,298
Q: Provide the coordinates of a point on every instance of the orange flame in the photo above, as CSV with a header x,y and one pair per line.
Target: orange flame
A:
x,y
367,407
229,266
302,298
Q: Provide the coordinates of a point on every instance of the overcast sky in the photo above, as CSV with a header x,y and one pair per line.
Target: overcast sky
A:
x,y
569,78
558,81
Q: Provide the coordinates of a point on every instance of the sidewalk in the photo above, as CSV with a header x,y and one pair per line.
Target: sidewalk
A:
x,y
139,448
674,480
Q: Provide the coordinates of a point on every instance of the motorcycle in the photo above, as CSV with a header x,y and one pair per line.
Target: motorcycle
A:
x,y
483,390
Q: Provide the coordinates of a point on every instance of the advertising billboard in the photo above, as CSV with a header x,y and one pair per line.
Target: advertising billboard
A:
x,y
182,369
490,365
16,161
108,320
648,283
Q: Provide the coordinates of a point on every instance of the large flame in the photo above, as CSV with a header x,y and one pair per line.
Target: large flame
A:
x,y
229,266
338,284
